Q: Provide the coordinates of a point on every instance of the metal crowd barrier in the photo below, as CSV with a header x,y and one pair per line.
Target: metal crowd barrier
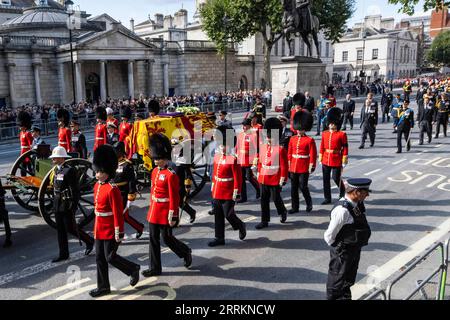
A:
x,y
376,294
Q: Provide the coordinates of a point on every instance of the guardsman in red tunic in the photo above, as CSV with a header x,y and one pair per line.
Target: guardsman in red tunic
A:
x,y
302,158
111,119
298,100
272,172
125,126
153,108
164,203
26,138
247,151
108,228
226,186
256,121
333,153
101,134
64,133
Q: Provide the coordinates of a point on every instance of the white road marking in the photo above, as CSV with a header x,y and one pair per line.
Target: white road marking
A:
x,y
372,172
438,146
129,288
143,258
389,268
171,294
249,219
68,286
77,292
399,161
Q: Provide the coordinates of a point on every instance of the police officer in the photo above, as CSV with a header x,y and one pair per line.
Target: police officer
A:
x,y
407,89
4,217
163,212
347,233
64,132
369,120
386,102
78,140
65,198
302,159
109,223
272,165
349,110
441,114
125,180
226,186
425,118
405,124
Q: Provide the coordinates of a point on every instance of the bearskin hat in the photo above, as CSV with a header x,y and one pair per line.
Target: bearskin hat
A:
x,y
160,147
64,116
247,122
299,99
101,113
334,115
272,124
153,106
24,119
303,120
228,135
105,160
119,147
126,112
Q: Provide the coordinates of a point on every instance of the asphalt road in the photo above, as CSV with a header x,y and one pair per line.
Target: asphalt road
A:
x,y
408,211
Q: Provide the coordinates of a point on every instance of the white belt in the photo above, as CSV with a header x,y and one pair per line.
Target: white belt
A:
x,y
25,147
223,179
61,142
103,214
299,156
99,138
270,167
160,199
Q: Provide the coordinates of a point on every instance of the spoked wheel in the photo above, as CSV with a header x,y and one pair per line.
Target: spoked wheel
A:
x,y
85,207
26,184
197,168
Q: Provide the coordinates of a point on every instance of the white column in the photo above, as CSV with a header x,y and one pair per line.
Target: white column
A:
x,y
150,63
12,91
131,78
78,81
62,83
166,78
103,80
37,82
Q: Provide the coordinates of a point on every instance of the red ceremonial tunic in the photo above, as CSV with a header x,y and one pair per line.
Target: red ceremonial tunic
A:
x,y
227,177
258,126
125,130
115,122
108,211
65,138
302,153
333,148
164,196
247,148
100,135
272,165
26,140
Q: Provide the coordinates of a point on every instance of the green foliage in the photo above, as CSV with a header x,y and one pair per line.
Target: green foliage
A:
x,y
439,53
408,6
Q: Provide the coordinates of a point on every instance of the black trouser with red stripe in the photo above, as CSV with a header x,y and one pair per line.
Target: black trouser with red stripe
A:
x,y
336,172
225,209
247,174
136,225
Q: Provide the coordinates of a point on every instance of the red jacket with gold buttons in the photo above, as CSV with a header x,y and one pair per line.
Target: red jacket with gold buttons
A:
x,y
164,196
100,135
115,122
333,148
227,177
65,138
108,211
247,148
293,112
26,140
302,153
125,130
272,165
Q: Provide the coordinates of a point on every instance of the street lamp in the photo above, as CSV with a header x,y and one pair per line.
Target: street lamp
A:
x,y
226,22
71,26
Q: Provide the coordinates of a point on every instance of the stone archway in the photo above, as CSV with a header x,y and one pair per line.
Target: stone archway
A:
x,y
92,85
243,83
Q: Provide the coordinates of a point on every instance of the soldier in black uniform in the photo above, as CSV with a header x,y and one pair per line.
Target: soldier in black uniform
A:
x,y
4,217
78,140
405,124
349,110
125,179
369,120
441,114
347,233
425,118
386,102
112,137
66,196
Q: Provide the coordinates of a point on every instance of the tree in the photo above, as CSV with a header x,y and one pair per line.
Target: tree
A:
x,y
408,6
439,53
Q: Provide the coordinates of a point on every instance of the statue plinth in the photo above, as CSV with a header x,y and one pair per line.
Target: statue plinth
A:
x,y
297,74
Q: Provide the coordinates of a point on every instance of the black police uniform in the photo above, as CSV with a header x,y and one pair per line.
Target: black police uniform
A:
x,y
369,119
425,118
441,116
4,217
346,251
66,196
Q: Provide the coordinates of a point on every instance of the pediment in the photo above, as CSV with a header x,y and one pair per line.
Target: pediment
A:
x,y
114,39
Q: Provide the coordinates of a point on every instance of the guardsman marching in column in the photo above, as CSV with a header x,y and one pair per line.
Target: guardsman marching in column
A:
x,y
64,132
101,133
66,196
333,154
78,140
110,119
347,233
4,218
246,150
125,126
153,108
125,180
302,157
164,203
299,102
405,124
369,120
109,223
225,186
272,172
441,114
425,118
26,138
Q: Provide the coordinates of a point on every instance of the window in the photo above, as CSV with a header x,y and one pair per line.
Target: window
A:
x,y
327,50
374,54
276,48
344,56
5,2
359,55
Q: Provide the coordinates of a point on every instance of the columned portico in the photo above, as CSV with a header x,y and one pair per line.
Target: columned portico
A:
x,y
78,81
150,64
62,83
37,80
131,78
103,80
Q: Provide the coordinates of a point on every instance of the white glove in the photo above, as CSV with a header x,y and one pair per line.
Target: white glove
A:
x,y
235,194
170,215
212,186
117,235
282,181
